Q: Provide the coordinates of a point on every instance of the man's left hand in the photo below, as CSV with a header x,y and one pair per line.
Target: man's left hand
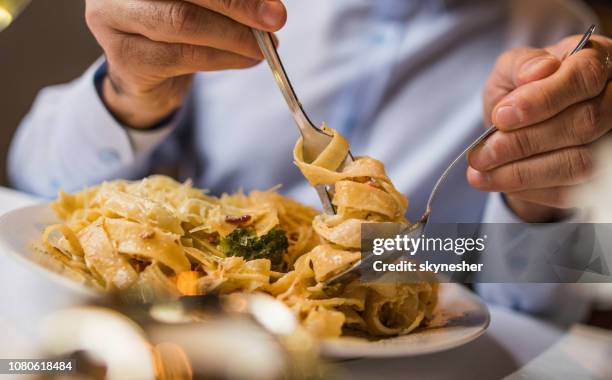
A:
x,y
551,110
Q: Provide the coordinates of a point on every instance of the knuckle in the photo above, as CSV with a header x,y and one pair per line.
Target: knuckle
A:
x,y
580,164
239,6
522,144
499,144
94,14
549,101
521,176
587,126
244,38
181,17
591,75
523,105
506,58
189,53
227,5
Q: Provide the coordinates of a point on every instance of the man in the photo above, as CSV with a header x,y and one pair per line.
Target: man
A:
x,y
401,79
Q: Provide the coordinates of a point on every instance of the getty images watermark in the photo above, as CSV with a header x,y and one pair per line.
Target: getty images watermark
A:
x,y
455,252
410,246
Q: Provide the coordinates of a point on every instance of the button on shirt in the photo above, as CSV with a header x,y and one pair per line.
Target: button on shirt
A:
x,y
401,79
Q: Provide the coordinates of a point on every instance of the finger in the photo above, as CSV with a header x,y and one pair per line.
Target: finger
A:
x,y
268,15
181,22
516,68
523,65
563,49
580,77
556,197
564,167
580,124
170,60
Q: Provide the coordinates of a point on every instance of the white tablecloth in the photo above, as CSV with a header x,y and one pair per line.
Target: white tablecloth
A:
x,y
514,347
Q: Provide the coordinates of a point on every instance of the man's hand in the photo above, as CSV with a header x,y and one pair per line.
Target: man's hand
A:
x,y
154,46
551,110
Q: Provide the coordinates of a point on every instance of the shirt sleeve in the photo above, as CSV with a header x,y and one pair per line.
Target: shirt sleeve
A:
x,y
70,140
564,303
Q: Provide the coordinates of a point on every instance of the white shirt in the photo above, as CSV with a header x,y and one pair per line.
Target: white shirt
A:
x,y
401,79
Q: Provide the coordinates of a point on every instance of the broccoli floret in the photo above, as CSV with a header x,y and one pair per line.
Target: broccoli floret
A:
x,y
245,243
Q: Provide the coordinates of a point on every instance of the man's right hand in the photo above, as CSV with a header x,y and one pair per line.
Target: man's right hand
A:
x,y
153,47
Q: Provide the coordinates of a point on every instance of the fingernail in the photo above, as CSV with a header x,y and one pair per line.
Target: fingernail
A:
x,y
537,67
478,179
271,13
483,157
507,117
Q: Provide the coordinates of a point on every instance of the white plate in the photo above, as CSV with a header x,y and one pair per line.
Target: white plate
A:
x,y
34,290
460,316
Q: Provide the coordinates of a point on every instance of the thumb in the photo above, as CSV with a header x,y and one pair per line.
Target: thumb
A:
x,y
514,69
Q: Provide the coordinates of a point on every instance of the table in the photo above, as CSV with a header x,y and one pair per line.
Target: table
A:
x,y
514,347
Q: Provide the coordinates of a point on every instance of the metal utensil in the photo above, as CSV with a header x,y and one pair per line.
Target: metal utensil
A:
x,y
365,265
315,140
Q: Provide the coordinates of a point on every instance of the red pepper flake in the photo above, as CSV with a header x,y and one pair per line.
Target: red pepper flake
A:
x,y
237,219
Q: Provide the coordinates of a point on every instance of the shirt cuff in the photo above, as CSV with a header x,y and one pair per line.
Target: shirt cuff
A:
x,y
540,237
142,141
497,211
508,258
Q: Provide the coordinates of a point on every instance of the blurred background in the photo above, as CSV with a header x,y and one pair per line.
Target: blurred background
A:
x,y
51,43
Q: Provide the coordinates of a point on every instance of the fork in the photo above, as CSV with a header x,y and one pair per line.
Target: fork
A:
x,y
314,139
415,230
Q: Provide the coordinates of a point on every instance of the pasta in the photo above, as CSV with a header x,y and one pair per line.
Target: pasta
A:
x,y
158,239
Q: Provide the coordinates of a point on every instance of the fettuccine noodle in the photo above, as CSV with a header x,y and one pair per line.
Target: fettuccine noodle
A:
x,y
158,239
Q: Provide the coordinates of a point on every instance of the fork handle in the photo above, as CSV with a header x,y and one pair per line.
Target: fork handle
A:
x,y
266,44
448,170
581,45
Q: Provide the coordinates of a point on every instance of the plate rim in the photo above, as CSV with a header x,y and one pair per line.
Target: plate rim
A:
x,y
6,249
394,352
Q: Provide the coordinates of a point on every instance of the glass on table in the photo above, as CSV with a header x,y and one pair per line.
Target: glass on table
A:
x,y
9,10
